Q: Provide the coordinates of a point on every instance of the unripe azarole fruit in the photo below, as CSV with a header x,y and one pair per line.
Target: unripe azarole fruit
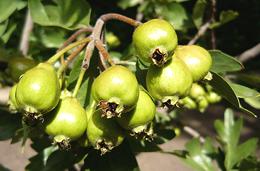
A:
x,y
13,104
68,121
116,90
197,91
155,41
137,119
104,134
18,66
197,59
170,82
38,90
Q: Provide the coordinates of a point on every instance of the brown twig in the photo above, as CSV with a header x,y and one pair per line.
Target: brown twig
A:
x,y
212,18
201,32
27,29
4,95
250,53
193,133
90,47
103,51
97,33
115,16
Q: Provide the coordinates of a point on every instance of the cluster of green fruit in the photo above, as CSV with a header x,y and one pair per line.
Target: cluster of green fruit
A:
x,y
118,104
173,68
199,97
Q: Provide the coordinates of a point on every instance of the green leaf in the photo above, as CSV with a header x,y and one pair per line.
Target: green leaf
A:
x,y
223,62
7,8
198,12
253,101
9,31
2,168
9,123
225,17
3,27
252,78
84,92
229,133
74,73
246,149
124,4
176,14
68,14
120,158
198,156
48,36
243,91
224,90
53,159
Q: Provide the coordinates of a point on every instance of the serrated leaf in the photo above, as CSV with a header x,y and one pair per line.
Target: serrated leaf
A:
x,y
198,12
246,149
68,14
223,89
198,156
229,134
176,14
243,91
223,62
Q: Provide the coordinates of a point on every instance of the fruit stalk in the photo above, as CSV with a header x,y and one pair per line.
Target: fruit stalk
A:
x,y
79,81
55,57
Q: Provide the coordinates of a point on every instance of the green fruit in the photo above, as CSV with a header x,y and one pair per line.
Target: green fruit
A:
x,y
170,82
197,91
116,90
38,90
213,97
112,40
203,104
188,103
18,66
138,119
197,59
155,41
13,105
103,134
67,122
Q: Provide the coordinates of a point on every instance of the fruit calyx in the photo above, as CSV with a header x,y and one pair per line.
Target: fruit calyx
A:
x,y
170,101
144,132
32,117
159,57
111,108
104,146
62,141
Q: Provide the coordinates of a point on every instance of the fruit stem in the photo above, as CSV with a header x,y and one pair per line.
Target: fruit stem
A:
x,y
55,57
79,81
115,16
70,58
104,52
